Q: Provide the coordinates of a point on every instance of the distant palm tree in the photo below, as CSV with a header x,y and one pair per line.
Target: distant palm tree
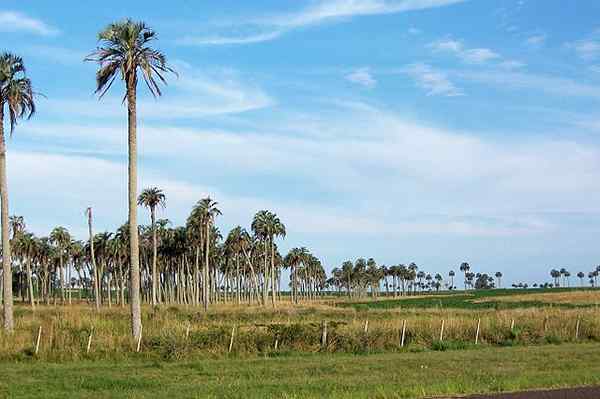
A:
x,y
125,52
581,276
555,274
16,94
465,267
152,198
451,275
499,278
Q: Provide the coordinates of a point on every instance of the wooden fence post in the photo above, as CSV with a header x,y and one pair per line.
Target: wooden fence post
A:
x,y
37,342
577,329
89,344
231,339
403,333
477,333
442,331
366,326
187,332
324,335
139,343
512,325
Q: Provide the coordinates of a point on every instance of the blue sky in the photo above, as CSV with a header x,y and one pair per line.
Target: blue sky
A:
x,y
433,131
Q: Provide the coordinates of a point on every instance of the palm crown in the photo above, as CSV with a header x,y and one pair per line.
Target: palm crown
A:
x,y
123,51
151,198
15,89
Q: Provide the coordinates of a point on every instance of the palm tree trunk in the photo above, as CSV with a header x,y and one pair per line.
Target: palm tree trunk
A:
x,y
154,274
272,272
6,262
205,277
134,254
96,285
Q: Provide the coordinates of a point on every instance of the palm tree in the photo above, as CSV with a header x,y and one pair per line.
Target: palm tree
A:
x,y
89,215
203,215
581,276
465,267
125,51
451,275
266,225
17,95
61,238
151,198
499,278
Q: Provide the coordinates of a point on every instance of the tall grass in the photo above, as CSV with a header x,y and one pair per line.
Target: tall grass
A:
x,y
175,333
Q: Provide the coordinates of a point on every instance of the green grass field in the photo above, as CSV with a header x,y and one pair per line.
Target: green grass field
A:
x,y
473,300
407,375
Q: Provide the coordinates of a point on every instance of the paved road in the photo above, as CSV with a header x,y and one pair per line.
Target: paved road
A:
x,y
575,393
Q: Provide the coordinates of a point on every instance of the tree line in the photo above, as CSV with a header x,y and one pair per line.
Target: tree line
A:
x,y
191,264
365,277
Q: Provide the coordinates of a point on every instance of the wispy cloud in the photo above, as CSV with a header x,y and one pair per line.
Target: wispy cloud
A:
x,y
195,94
12,21
363,77
536,40
228,40
519,80
435,82
587,49
319,12
468,55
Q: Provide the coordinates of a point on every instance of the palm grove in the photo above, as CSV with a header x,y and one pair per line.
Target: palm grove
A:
x,y
159,263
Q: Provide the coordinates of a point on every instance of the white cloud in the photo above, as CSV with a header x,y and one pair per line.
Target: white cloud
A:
x,y
536,40
12,21
512,64
320,11
363,77
479,55
527,81
587,49
323,11
194,94
228,40
471,56
487,186
447,45
435,82
414,31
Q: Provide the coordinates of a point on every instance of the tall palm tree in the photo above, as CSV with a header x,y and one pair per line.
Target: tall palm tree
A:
x,y
125,51
266,225
204,213
90,219
151,198
61,238
17,95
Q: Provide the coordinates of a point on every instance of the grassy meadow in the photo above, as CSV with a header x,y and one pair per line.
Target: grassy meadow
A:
x,y
252,351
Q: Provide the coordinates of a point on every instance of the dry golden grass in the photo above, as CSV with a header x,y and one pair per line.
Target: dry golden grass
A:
x,y
184,332
568,297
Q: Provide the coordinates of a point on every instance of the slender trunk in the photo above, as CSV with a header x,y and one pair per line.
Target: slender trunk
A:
x,y
6,260
205,277
272,272
134,254
154,274
93,256
30,282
